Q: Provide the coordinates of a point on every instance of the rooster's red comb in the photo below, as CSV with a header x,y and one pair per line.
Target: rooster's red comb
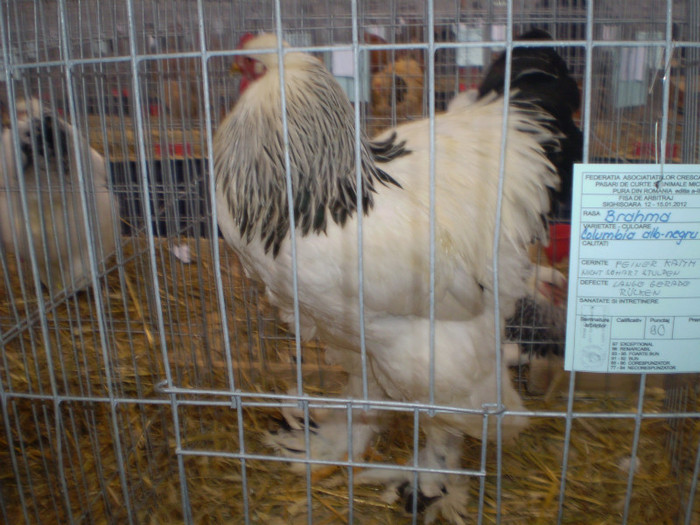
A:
x,y
245,38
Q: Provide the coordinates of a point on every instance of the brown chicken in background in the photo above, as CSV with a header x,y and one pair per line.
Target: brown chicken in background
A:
x,y
397,82
177,81
399,86
378,58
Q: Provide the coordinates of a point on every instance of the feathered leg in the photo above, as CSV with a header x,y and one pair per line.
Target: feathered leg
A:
x,y
329,439
438,493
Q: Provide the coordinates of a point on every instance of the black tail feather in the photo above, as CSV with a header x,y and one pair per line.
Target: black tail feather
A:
x,y
387,150
541,77
539,329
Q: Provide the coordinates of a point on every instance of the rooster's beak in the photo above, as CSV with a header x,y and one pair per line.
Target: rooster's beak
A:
x,y
235,69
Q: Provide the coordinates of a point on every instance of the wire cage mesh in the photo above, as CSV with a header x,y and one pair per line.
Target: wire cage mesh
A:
x,y
143,395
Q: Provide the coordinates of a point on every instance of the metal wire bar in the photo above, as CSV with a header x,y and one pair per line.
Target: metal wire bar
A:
x,y
136,89
496,255
293,242
431,200
286,400
58,448
693,489
95,283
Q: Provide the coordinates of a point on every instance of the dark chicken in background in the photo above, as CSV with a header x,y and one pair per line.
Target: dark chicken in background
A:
x,y
540,76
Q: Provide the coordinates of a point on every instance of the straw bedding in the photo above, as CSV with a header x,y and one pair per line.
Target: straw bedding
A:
x,y
67,455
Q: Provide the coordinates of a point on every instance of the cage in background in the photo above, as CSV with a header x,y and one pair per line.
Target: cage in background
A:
x,y
145,398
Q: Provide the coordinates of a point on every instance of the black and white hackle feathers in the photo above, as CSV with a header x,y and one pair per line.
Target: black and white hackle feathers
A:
x,y
398,322
55,212
321,142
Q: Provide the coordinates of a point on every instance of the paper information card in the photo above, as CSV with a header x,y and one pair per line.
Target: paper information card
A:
x,y
634,272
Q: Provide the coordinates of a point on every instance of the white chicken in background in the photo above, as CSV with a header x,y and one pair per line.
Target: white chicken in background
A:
x,y
253,214
55,212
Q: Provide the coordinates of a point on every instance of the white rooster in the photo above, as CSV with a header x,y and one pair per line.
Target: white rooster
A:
x,y
252,207
55,212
